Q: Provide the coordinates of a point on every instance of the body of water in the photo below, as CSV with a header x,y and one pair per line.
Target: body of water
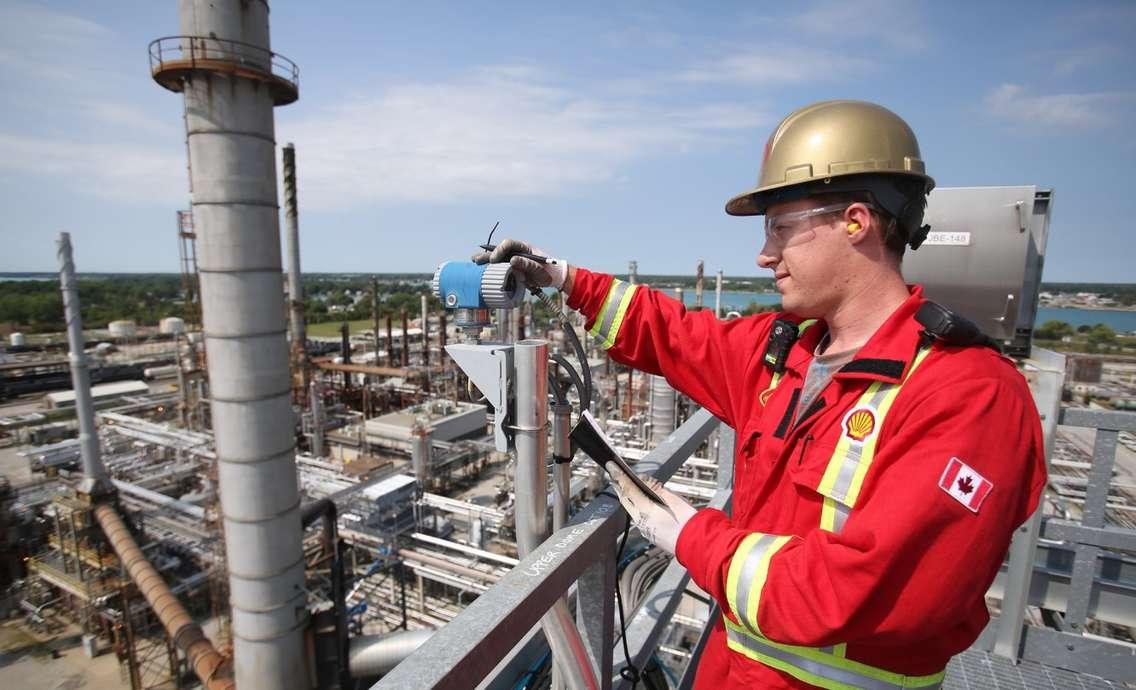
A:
x,y
1119,321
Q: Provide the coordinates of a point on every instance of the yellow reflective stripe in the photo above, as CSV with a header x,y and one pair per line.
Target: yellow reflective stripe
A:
x,y
869,452
851,459
595,329
735,572
608,321
749,569
819,667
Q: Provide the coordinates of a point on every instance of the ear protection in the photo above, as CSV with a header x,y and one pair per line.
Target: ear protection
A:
x,y
853,227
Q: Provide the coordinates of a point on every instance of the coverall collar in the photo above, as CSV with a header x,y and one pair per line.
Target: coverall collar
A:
x,y
885,357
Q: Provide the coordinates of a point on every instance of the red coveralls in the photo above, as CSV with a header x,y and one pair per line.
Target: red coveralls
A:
x,y
830,578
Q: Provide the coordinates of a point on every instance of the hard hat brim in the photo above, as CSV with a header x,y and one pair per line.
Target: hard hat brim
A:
x,y
755,201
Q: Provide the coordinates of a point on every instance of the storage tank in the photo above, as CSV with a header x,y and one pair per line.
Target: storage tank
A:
x,y
122,329
171,325
662,409
16,340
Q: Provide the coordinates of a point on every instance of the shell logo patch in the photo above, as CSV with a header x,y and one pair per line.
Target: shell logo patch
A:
x,y
859,424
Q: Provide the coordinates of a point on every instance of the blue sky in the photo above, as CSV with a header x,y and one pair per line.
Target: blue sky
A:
x,y
603,132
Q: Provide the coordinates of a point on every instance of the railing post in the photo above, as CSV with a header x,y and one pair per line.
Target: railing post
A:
x,y
1019,573
595,614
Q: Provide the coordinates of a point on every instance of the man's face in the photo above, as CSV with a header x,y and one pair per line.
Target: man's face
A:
x,y
804,245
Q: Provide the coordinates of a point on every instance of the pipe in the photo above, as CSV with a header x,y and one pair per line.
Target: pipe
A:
x,y
205,661
425,333
325,509
420,447
428,559
699,280
375,655
230,135
530,360
562,467
93,471
316,410
718,295
405,340
390,343
295,285
375,315
196,512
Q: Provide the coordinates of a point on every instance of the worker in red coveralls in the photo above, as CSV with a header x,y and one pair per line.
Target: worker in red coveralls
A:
x,y
880,470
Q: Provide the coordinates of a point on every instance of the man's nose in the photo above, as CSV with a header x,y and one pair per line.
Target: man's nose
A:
x,y
769,255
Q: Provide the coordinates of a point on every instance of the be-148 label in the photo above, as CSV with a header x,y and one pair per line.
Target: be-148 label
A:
x,y
948,239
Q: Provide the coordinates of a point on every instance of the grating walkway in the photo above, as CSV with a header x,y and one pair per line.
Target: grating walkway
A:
x,y
978,670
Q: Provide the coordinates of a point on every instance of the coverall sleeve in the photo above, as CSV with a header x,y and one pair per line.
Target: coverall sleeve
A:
x,y
700,355
911,560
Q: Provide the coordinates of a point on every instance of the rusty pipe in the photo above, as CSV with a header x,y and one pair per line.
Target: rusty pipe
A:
x,y
206,662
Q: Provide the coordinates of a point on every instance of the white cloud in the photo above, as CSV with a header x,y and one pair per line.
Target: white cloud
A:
x,y
895,24
110,171
1015,103
498,132
772,65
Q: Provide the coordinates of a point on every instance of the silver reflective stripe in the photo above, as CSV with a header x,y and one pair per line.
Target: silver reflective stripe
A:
x,y
748,575
851,460
607,321
822,670
840,517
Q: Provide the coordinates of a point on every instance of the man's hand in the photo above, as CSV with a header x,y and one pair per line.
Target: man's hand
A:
x,y
550,273
657,524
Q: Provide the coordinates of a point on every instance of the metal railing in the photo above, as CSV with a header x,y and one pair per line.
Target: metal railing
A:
x,y
1073,569
468,651
1059,565
193,52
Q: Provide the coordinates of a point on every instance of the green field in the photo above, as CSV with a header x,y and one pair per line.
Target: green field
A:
x,y
330,329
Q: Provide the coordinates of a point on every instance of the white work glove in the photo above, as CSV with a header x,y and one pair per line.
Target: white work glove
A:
x,y
656,524
537,274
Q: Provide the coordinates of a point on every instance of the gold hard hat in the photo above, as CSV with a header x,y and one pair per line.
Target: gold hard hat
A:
x,y
836,146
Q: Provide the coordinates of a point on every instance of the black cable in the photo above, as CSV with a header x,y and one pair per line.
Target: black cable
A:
x,y
628,672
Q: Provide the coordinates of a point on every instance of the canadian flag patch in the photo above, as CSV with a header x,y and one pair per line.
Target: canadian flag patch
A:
x,y
963,484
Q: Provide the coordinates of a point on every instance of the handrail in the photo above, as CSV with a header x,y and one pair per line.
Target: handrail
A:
x,y
462,653
179,52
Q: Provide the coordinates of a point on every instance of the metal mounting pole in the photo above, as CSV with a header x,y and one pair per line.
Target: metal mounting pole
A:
x,y
530,361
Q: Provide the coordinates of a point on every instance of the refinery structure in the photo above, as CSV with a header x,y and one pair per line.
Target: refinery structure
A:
x,y
230,503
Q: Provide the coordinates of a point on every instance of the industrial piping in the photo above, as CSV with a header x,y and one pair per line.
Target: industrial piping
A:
x,y
205,661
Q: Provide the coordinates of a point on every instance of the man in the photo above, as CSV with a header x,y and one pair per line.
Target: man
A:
x,y
879,471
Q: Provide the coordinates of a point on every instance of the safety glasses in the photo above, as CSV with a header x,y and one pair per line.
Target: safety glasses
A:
x,y
787,229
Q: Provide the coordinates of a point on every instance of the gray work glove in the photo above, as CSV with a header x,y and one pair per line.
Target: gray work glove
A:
x,y
537,274
658,525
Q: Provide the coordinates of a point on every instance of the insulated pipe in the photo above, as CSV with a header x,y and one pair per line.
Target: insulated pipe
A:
x,y
205,661
718,295
375,655
295,287
231,143
530,361
160,499
93,471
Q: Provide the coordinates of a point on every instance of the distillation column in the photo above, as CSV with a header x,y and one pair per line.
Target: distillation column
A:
x,y
231,81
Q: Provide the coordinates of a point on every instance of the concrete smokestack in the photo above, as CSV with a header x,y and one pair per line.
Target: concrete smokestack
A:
x,y
231,81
